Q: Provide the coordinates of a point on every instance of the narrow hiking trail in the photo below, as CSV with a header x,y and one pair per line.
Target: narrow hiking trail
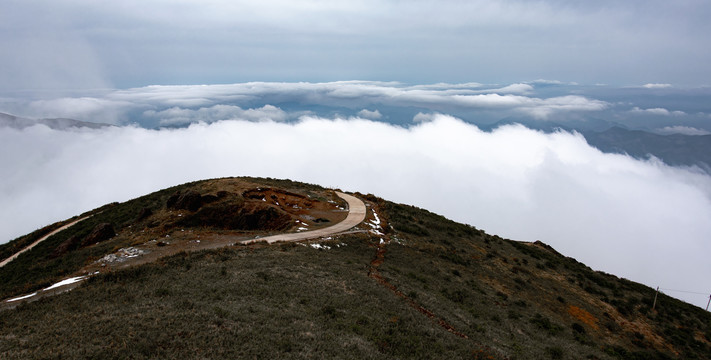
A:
x,y
29,247
374,273
356,215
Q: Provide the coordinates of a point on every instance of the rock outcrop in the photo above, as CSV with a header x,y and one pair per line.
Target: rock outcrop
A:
x,y
101,232
189,200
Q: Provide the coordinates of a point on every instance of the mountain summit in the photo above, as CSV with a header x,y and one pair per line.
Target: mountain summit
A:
x,y
264,268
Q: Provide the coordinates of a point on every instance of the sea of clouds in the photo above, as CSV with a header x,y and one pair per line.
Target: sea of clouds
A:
x,y
641,220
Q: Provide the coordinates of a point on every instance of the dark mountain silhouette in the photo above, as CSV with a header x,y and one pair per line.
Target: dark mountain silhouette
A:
x,y
16,122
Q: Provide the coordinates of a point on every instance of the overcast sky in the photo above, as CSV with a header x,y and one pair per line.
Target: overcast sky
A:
x,y
50,44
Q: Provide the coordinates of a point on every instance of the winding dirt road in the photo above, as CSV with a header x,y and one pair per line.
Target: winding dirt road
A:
x,y
13,257
356,215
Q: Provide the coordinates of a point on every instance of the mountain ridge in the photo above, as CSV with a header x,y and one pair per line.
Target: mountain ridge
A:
x,y
407,284
17,122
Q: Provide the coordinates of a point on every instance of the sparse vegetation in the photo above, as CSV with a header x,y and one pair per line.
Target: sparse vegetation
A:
x,y
438,289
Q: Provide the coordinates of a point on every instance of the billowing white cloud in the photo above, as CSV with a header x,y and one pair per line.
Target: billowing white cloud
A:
x,y
424,117
514,89
684,130
656,86
362,92
448,86
190,103
180,116
657,111
368,114
639,219
546,82
94,109
542,108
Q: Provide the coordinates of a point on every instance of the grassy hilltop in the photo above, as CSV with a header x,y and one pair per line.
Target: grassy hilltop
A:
x,y
411,284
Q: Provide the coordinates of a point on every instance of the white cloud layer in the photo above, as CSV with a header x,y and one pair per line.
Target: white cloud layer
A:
x,y
369,114
192,103
180,116
684,130
656,86
657,111
424,117
641,220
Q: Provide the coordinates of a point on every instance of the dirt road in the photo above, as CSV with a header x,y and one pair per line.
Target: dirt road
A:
x,y
356,215
13,257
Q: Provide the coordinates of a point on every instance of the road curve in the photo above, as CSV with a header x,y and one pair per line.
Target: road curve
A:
x,y
356,215
4,262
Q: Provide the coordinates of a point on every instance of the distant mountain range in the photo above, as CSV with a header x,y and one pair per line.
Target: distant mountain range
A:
x,y
610,137
674,149
16,122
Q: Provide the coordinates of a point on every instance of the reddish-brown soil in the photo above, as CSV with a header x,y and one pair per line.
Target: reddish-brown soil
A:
x,y
373,272
236,210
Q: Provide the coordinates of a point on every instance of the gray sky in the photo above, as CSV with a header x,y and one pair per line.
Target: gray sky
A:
x,y
90,44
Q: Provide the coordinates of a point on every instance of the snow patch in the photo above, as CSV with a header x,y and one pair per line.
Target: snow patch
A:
x,y
376,221
375,225
66,282
22,297
320,247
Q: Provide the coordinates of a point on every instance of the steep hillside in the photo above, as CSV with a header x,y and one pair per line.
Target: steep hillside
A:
x,y
405,283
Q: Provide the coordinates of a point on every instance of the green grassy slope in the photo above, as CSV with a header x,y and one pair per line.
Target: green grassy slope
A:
x,y
432,288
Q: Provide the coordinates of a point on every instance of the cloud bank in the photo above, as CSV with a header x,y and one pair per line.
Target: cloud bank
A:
x,y
181,116
684,130
152,106
657,111
641,220
656,86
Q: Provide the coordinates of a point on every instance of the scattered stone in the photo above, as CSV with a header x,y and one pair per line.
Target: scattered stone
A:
x,y
121,255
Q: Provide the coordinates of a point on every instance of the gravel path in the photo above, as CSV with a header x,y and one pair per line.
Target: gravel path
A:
x,y
13,257
356,215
